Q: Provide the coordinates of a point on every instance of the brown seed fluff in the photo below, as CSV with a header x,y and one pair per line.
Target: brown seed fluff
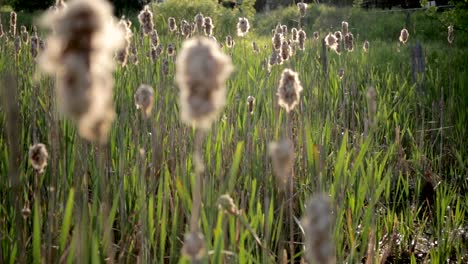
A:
x,y
338,35
349,42
122,54
285,50
284,28
365,46
302,39
171,50
13,23
24,35
144,99
199,22
331,41
282,158
154,38
80,54
229,41
165,67
344,28
294,36
316,35
404,35
2,33
277,40
302,8
289,90
201,72
250,104
255,47
38,157
194,246
186,29
146,20
172,24
317,223
243,26
450,35
341,73
17,44
34,45
226,203
208,26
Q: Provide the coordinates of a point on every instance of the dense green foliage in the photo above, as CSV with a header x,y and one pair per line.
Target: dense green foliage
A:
x,y
398,185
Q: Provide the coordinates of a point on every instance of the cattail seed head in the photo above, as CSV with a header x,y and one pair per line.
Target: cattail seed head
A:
x,y
144,99
2,33
316,35
341,73
284,29
154,53
17,44
199,21
34,45
201,72
172,24
404,35
154,38
171,50
289,90
344,28
243,26
38,157
365,46
255,47
122,54
208,26
13,17
229,41
302,39
133,58
165,66
250,104
146,20
294,36
278,29
26,212
331,41
80,54
450,35
277,41
24,35
226,203
282,158
186,29
285,50
317,223
302,8
194,246
338,35
42,45
349,42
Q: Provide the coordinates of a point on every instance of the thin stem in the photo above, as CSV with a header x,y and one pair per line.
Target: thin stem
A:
x,y
197,187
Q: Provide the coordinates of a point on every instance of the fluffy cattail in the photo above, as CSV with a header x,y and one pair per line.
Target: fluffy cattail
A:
x,y
243,26
199,22
344,28
229,41
133,58
194,246
171,50
282,157
80,54
338,49
289,90
250,104
273,59
172,24
404,35
208,26
302,8
316,35
201,72
122,54
226,203
341,73
331,41
13,23
285,50
146,20
278,29
302,39
165,67
294,36
154,38
338,35
144,99
17,44
24,35
186,29
277,40
38,157
284,28
155,52
255,47
349,42
365,46
317,223
450,35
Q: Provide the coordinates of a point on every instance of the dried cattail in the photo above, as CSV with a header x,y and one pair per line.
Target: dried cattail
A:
x,y
165,67
278,29
349,42
282,157
289,90
154,38
450,35
316,35
186,29
317,224
201,72
331,41
13,23
194,246
229,41
80,54
243,26
272,60
371,96
24,35
172,24
199,22
338,49
226,203
284,28
171,50
17,44
146,20
250,104
344,28
294,36
302,39
133,58
2,33
338,35
42,45
302,8
26,212
38,157
122,54
144,99
341,73
155,52
285,50
365,46
277,40
255,47
208,26
404,35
